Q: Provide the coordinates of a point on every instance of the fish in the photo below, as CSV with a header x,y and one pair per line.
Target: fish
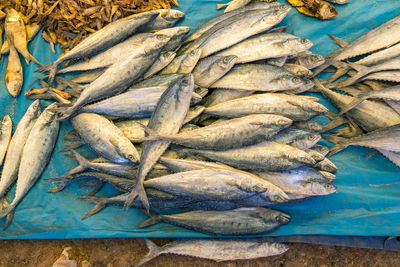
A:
x,y
105,138
217,185
369,115
34,158
217,250
5,136
167,18
296,137
234,133
102,39
315,8
14,73
177,35
15,30
212,68
390,75
116,78
308,59
340,2
232,33
307,125
233,5
298,70
136,44
392,156
326,165
267,45
211,23
278,61
135,103
258,77
266,156
164,60
321,149
1,34
31,31
173,105
300,182
221,95
185,63
242,221
183,165
87,76
385,138
290,106
16,146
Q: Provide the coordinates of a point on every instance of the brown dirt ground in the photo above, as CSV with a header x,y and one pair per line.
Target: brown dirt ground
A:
x,y
125,252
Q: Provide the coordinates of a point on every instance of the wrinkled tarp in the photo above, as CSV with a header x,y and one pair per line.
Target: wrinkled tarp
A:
x,y
367,202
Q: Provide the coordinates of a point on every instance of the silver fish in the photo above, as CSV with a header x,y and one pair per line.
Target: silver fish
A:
x,y
296,137
34,158
105,138
16,146
165,59
308,60
210,69
390,75
234,133
5,136
340,2
217,185
189,61
326,165
321,149
259,77
242,221
173,105
183,165
307,125
87,76
290,106
217,250
167,18
221,95
268,45
177,34
102,39
266,156
298,70
233,5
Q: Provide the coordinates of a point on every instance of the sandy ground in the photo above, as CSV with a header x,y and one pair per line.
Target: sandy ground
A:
x,y
125,252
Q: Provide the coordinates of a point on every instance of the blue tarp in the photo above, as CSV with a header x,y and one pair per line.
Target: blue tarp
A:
x,y
367,202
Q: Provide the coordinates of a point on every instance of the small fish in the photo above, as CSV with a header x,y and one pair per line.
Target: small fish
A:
x,y
177,34
233,5
308,60
31,31
5,136
211,68
14,72
307,125
167,18
164,60
242,221
302,139
217,250
189,61
321,149
183,165
326,165
221,95
298,70
315,8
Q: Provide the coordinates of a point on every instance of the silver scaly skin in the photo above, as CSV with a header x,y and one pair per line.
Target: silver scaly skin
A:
x,y
5,136
210,69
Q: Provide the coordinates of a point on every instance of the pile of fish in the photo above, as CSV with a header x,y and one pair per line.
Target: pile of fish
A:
x,y
18,35
370,102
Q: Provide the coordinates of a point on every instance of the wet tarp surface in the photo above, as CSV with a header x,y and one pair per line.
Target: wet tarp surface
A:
x,y
367,202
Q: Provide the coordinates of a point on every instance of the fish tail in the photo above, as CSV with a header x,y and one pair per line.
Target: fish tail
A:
x,y
340,143
357,101
138,191
83,164
219,6
62,182
51,69
28,57
66,112
154,218
7,210
9,219
74,145
154,251
341,70
342,43
100,204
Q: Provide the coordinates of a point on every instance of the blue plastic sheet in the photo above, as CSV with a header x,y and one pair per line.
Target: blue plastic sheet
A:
x,y
367,202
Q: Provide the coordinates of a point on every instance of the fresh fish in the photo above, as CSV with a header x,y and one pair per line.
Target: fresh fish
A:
x,y
167,18
103,39
266,156
15,31
211,23
217,250
136,44
217,185
385,138
165,59
300,181
291,106
307,125
298,70
117,77
210,69
159,80
221,95
369,115
321,149
177,34
34,158
31,31
380,56
326,165
242,221
5,136
233,5
278,61
258,77
167,118
329,176
87,76
105,138
189,61
16,146
308,59
135,103
183,165
267,45
234,133
254,22
14,73
296,137
314,154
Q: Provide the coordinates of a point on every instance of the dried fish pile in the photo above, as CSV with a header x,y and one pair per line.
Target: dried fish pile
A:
x,y
370,102
69,21
320,9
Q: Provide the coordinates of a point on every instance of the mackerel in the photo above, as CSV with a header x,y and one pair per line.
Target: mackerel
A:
x,y
5,136
212,68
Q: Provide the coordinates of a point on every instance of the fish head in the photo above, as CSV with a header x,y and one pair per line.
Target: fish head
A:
x,y
289,81
277,246
280,11
269,215
175,31
308,140
162,40
319,188
302,157
185,87
192,58
167,56
308,84
50,113
173,14
298,44
201,91
329,176
315,60
326,11
312,125
34,109
226,63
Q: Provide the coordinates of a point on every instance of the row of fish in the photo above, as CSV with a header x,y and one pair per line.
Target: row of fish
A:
x,y
370,100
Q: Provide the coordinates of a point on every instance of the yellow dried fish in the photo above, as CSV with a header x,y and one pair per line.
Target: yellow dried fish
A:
x,y
14,72
31,31
315,8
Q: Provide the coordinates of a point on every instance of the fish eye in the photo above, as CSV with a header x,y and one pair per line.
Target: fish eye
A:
x,y
303,41
296,80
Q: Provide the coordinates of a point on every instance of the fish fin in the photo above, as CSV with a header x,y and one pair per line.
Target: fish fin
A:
x,y
342,43
7,209
51,69
83,164
219,6
356,66
342,69
71,136
154,251
340,143
66,113
336,121
138,191
152,135
100,204
72,146
154,218
357,101
279,29
63,182
30,57
96,188
9,219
